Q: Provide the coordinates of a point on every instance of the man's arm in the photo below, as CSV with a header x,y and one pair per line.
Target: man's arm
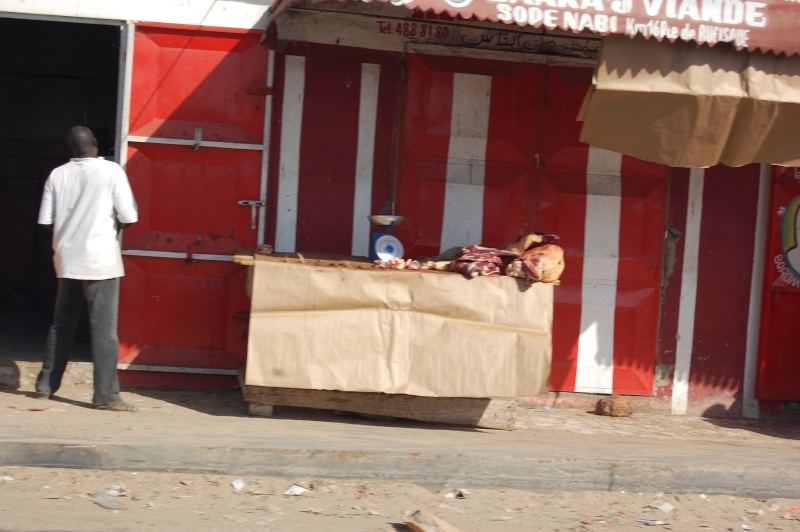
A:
x,y
47,208
125,209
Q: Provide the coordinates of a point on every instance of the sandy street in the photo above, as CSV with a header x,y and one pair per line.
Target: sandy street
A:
x,y
42,499
65,500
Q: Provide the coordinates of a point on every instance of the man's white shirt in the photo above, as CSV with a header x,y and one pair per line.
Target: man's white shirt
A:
x,y
83,199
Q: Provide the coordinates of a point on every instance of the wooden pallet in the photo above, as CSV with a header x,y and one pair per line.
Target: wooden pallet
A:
x,y
463,411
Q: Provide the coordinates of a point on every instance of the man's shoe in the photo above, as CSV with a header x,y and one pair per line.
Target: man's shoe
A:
x,y
118,407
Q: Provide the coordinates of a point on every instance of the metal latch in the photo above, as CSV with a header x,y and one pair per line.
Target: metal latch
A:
x,y
254,205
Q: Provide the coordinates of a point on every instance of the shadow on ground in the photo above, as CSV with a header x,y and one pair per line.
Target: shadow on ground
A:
x,y
231,403
784,429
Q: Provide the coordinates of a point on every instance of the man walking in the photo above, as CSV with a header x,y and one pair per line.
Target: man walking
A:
x,y
85,203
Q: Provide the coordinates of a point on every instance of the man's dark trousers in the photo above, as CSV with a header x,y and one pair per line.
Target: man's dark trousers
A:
x,y
102,298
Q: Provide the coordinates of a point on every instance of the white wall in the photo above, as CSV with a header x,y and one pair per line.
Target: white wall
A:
x,y
219,13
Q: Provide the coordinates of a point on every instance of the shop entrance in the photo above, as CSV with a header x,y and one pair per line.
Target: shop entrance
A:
x,y
53,75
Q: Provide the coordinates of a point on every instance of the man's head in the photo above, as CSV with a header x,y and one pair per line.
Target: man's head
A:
x,y
82,142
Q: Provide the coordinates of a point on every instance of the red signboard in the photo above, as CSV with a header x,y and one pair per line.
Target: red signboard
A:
x,y
766,25
778,363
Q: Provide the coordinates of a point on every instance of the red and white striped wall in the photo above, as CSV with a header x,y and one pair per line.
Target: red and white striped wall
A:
x,y
711,307
660,295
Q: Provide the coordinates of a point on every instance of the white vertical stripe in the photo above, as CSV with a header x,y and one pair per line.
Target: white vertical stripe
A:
x,y
365,157
750,406
595,365
262,194
126,41
289,171
688,298
466,161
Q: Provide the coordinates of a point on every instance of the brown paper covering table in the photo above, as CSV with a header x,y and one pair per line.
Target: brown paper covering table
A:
x,y
414,344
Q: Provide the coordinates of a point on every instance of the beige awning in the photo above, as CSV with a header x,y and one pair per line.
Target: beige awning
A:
x,y
687,105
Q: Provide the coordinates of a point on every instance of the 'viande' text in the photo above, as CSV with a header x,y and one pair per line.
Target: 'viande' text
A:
x,y
728,12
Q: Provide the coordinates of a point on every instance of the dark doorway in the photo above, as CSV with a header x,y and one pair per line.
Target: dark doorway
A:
x,y
53,75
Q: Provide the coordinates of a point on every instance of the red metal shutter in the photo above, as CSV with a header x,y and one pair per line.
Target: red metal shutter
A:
x,y
196,149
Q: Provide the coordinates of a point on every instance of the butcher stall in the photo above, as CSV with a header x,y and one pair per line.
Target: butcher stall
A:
x,y
451,340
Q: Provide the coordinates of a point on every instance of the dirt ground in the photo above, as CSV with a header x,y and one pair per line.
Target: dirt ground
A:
x,y
43,499
55,499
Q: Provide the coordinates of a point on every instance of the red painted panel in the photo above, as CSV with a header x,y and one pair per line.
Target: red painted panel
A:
x,y
562,211
179,313
425,139
187,312
560,130
641,249
329,142
184,79
188,200
559,207
730,201
779,364
177,381
562,205
566,327
778,360
328,152
511,154
635,329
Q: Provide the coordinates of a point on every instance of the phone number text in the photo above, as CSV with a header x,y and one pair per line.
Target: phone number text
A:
x,y
413,29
